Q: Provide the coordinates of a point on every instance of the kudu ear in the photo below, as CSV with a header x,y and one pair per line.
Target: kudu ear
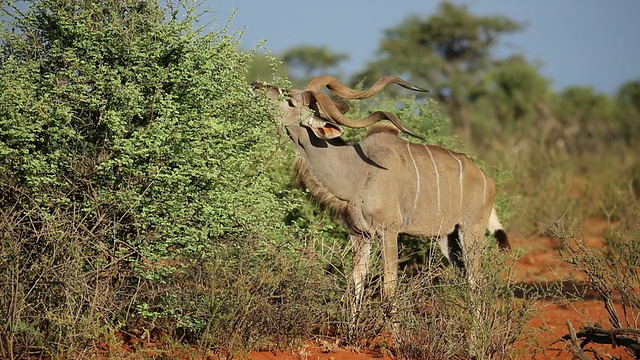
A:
x,y
322,129
342,106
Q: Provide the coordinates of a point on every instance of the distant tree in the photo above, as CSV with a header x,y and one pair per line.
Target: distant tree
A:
x,y
305,61
628,100
446,51
588,119
515,89
629,94
583,104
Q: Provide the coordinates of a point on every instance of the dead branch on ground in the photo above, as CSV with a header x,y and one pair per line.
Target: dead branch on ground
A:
x,y
626,337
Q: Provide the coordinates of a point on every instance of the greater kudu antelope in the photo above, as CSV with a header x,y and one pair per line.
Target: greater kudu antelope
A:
x,y
383,185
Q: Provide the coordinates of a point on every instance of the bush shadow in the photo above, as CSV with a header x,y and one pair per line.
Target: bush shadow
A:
x,y
570,289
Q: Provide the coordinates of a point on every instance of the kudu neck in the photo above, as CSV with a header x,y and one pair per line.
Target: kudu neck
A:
x,y
332,162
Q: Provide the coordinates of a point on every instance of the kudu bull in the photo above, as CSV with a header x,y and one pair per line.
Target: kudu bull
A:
x,y
383,185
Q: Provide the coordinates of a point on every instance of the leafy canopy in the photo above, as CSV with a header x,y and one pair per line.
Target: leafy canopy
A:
x,y
308,61
133,154
447,50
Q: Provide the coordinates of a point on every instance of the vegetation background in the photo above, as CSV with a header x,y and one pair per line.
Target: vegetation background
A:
x,y
145,190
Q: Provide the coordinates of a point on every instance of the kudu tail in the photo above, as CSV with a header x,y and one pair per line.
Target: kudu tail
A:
x,y
496,229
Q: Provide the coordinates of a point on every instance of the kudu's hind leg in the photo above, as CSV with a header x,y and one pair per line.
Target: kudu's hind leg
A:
x,y
463,249
473,247
451,247
460,250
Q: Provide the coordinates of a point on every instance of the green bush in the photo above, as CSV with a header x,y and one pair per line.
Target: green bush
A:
x,y
133,156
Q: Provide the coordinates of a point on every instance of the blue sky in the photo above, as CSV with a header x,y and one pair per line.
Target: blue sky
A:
x,y
576,42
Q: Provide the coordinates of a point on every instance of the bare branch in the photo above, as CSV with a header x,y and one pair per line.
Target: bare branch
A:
x,y
598,335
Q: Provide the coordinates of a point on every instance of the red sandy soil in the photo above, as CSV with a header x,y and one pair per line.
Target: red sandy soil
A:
x,y
541,262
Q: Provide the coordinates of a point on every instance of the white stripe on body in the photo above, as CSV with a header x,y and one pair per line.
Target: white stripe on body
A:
x,y
437,176
461,175
415,166
484,188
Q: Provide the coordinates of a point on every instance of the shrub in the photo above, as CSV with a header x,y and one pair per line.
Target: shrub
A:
x,y
611,273
133,161
442,317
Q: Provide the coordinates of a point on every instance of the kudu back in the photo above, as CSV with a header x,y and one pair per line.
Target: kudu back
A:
x,y
383,185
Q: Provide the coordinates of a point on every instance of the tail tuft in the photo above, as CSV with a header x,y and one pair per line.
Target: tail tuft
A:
x,y
495,228
503,239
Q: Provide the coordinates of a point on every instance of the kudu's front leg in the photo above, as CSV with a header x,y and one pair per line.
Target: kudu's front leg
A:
x,y
389,241
361,250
